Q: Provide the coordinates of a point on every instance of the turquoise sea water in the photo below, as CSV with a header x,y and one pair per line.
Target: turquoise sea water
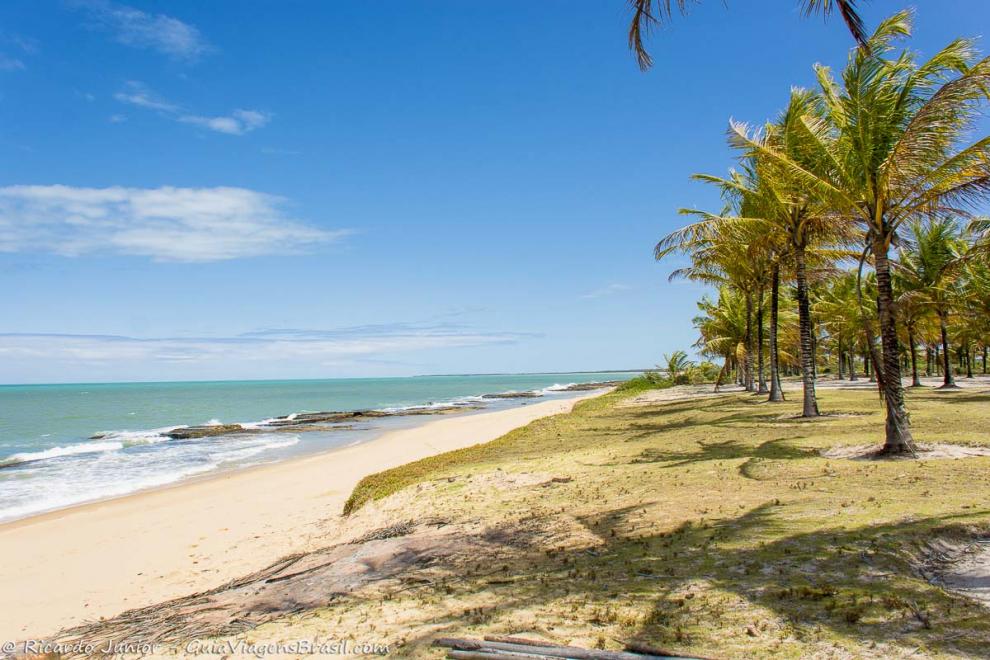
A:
x,y
48,461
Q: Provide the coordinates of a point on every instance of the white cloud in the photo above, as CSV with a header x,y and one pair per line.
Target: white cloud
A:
x,y
20,43
139,29
165,224
138,94
10,63
266,352
604,291
238,122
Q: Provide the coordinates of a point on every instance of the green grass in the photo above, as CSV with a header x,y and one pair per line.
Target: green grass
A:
x,y
713,526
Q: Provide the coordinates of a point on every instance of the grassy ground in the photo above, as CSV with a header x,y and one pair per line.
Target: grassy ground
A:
x,y
713,527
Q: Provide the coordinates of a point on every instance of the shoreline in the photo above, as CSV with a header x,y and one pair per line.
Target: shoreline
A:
x,y
97,559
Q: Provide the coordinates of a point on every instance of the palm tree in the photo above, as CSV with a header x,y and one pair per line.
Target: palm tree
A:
x,y
838,307
931,265
730,256
676,364
647,14
794,223
722,328
913,313
975,301
892,145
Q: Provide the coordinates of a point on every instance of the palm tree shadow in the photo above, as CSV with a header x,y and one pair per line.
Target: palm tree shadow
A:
x,y
771,450
850,581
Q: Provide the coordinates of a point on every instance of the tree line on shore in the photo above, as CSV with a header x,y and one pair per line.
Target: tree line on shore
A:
x,y
849,237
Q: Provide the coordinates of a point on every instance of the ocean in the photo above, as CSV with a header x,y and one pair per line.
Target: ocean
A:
x,y
62,445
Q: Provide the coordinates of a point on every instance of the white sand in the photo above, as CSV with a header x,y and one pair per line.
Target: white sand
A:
x,y
97,560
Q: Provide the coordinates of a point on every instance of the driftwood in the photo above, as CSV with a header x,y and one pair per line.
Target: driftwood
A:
x,y
516,647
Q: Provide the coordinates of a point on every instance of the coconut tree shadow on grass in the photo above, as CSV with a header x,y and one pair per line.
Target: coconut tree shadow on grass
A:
x,y
735,586
859,583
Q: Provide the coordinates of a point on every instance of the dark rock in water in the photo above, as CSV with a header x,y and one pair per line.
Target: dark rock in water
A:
x,y
303,419
512,395
312,418
581,387
191,432
301,422
440,410
309,428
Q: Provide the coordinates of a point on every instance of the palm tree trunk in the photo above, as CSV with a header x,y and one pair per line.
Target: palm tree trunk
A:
x,y
852,363
969,362
841,357
810,408
984,360
898,438
915,380
749,343
761,377
814,350
948,378
721,372
776,392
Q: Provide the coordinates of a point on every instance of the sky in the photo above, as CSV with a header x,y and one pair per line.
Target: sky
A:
x,y
213,190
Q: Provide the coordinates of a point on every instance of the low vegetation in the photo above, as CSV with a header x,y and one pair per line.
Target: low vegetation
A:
x,y
712,526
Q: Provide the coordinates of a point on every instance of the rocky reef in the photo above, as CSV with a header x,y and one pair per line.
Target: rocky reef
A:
x,y
304,422
344,420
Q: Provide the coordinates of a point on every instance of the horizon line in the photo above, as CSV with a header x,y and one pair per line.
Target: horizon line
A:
x,y
274,380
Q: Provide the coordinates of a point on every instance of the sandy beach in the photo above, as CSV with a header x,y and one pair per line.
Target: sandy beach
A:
x,y
99,559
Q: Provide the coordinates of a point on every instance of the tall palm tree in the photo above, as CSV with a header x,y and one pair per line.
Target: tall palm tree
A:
x,y
931,265
892,145
647,14
731,255
794,222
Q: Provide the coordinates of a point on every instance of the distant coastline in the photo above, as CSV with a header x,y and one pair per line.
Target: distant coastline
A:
x,y
329,378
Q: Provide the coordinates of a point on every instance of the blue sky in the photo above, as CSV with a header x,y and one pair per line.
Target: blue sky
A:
x,y
194,190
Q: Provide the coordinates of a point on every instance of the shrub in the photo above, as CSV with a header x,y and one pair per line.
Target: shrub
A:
x,y
649,380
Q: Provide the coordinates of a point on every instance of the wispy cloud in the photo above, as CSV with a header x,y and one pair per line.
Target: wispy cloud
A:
x,y
23,43
10,63
238,122
604,291
136,93
138,29
287,347
165,224
279,151
17,42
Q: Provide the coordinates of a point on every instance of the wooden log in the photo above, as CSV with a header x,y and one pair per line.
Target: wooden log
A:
x,y
645,649
497,655
569,652
508,639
